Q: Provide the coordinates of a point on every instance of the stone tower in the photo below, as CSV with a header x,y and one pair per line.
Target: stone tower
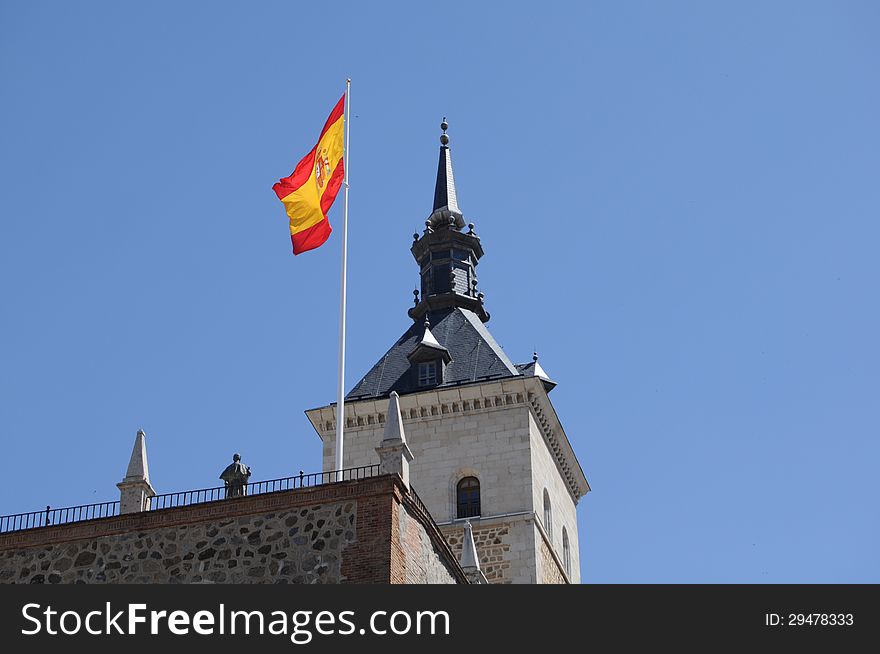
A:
x,y
487,445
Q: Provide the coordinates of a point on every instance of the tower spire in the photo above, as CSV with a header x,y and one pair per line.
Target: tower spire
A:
x,y
445,211
447,256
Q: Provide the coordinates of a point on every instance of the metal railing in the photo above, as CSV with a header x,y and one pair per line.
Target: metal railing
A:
x,y
418,500
302,480
49,517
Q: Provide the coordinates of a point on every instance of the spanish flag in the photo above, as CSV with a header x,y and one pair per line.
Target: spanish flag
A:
x,y
310,190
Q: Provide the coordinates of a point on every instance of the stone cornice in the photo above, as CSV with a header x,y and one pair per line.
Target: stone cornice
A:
x,y
429,405
557,441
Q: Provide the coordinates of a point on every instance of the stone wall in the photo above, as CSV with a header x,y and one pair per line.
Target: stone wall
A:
x,y
492,548
563,507
505,547
294,546
551,573
346,532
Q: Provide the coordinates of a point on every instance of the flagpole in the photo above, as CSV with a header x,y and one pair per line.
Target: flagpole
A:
x,y
340,405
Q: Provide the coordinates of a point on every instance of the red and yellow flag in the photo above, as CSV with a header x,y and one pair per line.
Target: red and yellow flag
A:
x,y
310,190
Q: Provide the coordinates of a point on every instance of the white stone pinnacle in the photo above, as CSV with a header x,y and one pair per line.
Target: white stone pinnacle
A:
x,y
138,470
135,489
393,422
469,559
394,453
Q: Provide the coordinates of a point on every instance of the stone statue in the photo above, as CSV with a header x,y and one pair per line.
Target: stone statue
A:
x,y
236,477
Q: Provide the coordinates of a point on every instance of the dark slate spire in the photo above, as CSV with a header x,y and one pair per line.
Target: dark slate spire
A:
x,y
445,200
447,256
447,344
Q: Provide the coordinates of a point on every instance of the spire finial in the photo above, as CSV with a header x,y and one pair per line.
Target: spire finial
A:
x,y
535,356
427,322
445,212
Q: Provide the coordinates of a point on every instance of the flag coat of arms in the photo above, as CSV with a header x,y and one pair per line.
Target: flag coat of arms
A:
x,y
309,192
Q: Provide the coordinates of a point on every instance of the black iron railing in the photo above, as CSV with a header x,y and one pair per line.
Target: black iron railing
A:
x,y
418,500
49,517
302,480
19,521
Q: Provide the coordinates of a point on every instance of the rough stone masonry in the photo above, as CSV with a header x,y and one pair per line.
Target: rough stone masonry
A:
x,y
351,532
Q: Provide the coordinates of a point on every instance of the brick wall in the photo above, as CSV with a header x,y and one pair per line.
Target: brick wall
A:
x,y
422,550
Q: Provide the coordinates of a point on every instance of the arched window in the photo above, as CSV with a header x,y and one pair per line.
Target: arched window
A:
x,y
467,495
548,516
566,552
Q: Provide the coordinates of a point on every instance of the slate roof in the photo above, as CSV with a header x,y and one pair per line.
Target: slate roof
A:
x,y
476,357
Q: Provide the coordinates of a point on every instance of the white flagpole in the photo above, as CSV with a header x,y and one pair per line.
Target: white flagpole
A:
x,y
340,405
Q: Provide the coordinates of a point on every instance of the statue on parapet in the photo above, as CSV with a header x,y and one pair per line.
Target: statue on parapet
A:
x,y
236,477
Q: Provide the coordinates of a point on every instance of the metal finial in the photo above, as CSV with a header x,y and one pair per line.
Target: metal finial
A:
x,y
236,457
470,228
416,298
444,139
415,236
535,357
427,322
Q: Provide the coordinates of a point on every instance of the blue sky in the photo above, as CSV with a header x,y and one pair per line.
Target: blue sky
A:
x,y
678,203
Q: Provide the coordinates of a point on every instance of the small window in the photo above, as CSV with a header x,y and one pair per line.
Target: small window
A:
x,y
548,516
566,552
428,373
468,497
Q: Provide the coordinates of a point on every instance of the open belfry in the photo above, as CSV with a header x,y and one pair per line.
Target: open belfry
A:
x,y
455,470
487,445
